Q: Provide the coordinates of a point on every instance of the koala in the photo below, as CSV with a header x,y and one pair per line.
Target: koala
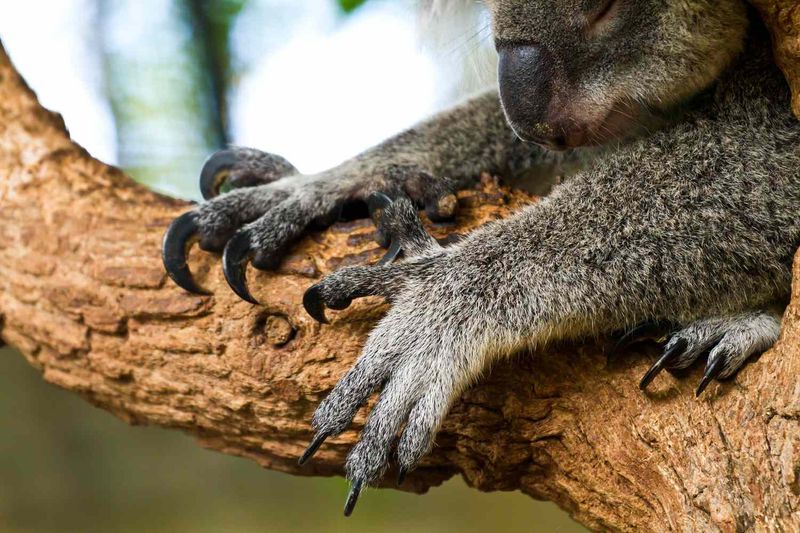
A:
x,y
681,208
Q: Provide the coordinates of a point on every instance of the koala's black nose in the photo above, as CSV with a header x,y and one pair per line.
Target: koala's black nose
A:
x,y
526,78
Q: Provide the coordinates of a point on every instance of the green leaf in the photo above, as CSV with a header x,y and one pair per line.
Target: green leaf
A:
x,y
349,6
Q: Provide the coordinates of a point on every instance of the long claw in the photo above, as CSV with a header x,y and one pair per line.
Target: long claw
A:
x,y
215,172
312,301
234,264
376,202
642,332
674,351
316,442
712,372
391,254
179,238
352,498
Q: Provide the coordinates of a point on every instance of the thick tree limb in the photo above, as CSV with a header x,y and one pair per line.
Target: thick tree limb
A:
x,y
85,299
783,19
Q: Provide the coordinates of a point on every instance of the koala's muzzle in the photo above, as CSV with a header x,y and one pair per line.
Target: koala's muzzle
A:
x,y
527,74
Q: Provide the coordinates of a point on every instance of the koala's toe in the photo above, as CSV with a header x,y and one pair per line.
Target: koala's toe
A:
x,y
399,227
739,344
423,423
369,458
338,290
235,168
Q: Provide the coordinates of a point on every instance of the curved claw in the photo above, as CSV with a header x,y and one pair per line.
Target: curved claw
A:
x,y
318,440
391,254
674,351
401,475
712,372
179,238
312,301
215,172
377,201
646,331
234,264
352,498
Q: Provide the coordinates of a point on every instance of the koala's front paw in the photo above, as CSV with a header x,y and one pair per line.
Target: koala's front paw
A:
x,y
424,352
236,168
729,342
271,205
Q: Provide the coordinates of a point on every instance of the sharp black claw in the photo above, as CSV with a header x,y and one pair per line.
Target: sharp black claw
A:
x,y
215,172
315,307
319,438
377,201
712,372
179,238
401,475
674,351
642,332
391,254
352,498
234,264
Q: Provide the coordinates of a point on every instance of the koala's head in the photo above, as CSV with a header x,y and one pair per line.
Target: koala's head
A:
x,y
584,72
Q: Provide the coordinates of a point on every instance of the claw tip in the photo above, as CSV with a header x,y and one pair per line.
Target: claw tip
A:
x,y
352,497
178,239
713,370
316,442
669,354
313,304
234,265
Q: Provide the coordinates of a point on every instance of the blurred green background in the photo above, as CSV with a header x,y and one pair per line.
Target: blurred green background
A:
x,y
154,86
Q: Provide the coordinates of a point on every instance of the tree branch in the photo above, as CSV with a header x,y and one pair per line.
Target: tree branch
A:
x,y
783,19
85,299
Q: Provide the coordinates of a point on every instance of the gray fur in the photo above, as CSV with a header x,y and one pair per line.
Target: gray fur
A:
x,y
693,221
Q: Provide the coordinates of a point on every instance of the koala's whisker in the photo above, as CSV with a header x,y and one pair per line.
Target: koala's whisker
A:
x,y
463,46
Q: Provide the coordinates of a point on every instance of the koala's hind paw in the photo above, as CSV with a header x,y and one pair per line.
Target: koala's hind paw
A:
x,y
729,342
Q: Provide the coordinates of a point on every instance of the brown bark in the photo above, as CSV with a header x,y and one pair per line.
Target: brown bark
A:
x,y
85,299
783,19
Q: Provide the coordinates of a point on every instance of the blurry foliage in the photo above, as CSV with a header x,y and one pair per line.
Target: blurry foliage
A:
x,y
169,91
66,466
350,5
210,23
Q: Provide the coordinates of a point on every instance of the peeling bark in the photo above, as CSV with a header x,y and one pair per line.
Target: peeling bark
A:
x,y
85,299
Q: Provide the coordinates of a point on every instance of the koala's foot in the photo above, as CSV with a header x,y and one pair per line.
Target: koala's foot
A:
x,y
729,342
269,205
423,352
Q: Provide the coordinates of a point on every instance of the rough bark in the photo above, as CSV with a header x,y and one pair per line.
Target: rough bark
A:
x,y
783,19
85,299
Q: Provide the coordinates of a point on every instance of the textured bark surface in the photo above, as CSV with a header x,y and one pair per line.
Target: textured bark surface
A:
x,y
783,19
85,299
